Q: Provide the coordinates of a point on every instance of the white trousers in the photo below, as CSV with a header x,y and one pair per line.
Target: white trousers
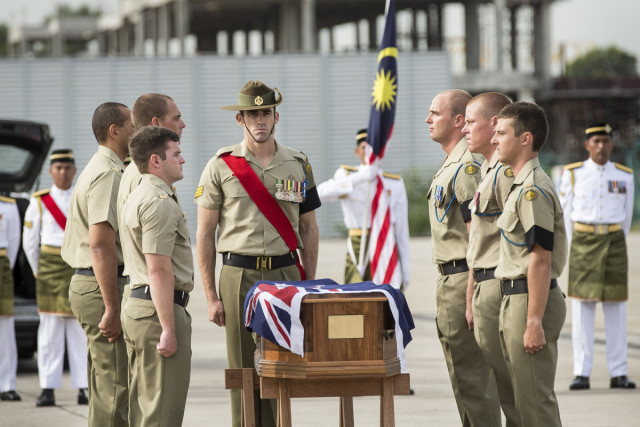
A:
x,y
52,333
8,354
583,323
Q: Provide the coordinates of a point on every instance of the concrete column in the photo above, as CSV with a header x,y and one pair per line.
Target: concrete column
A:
x,y
415,37
472,34
162,42
57,44
289,29
308,21
514,38
151,28
500,11
229,42
139,32
181,22
542,43
373,33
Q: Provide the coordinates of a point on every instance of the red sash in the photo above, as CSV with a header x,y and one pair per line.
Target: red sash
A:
x,y
265,202
55,211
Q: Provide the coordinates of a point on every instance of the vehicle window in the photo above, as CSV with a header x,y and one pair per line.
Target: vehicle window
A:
x,y
13,160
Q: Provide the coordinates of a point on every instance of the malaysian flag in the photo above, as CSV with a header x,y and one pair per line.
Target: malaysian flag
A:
x,y
272,310
383,251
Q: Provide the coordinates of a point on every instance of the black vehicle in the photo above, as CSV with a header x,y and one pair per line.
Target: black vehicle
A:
x,y
23,150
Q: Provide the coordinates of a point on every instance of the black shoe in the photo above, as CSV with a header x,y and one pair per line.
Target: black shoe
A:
x,y
580,383
10,395
622,382
46,398
83,396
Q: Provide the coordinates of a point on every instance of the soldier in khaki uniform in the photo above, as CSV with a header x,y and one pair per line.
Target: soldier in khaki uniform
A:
x,y
252,248
9,247
451,192
91,246
157,252
44,224
150,109
483,292
533,250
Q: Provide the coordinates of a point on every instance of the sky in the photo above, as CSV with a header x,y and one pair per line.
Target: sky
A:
x,y
578,24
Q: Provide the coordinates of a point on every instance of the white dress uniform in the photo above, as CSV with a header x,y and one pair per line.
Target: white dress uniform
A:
x,y
350,185
590,194
9,243
55,328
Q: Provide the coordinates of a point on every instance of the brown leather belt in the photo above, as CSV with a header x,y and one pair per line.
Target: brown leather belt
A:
x,y
519,286
596,228
179,297
452,267
89,271
260,262
482,274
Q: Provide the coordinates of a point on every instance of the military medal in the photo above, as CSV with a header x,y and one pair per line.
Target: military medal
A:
x,y
279,189
438,197
617,187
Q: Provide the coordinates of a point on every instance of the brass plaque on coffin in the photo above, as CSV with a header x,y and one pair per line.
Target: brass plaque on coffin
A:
x,y
345,326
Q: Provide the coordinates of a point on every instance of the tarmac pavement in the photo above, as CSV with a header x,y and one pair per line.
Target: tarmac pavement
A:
x,y
433,403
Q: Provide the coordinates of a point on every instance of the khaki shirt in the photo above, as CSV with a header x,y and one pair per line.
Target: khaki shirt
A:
x,y
454,183
130,180
93,201
532,202
486,207
244,230
153,222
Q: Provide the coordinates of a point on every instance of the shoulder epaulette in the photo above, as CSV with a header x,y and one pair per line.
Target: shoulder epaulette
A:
x,y
349,168
623,168
40,193
391,175
7,199
572,166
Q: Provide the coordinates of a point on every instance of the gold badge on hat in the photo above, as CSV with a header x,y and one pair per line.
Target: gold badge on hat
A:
x,y
258,100
508,172
530,195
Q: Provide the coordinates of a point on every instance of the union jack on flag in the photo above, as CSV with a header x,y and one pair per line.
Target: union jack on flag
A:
x,y
272,310
383,251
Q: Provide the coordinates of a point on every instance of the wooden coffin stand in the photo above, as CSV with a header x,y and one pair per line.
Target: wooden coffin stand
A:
x,y
349,350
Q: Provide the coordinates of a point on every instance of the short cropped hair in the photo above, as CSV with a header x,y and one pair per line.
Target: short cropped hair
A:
x,y
150,140
527,117
457,99
107,114
492,103
147,107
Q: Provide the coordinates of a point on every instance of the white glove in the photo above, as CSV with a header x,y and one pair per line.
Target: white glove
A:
x,y
366,173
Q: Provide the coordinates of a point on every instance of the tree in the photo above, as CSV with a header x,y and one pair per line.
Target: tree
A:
x,y
66,11
603,63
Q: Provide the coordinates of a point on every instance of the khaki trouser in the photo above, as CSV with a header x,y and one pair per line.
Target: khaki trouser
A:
x,y
158,385
533,375
106,361
487,298
235,283
471,378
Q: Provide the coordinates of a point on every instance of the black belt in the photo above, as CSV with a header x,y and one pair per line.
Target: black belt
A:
x,y
89,271
458,266
519,286
260,262
179,297
482,274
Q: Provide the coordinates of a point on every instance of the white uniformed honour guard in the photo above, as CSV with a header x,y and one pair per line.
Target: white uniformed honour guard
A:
x,y
597,199
42,237
9,246
354,187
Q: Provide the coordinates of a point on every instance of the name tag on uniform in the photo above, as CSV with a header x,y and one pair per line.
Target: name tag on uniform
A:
x,y
619,187
438,196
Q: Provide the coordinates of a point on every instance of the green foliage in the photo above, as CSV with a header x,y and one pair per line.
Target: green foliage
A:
x,y
603,63
66,11
417,183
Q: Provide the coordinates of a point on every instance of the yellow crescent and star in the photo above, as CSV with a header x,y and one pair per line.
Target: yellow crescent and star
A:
x,y
385,86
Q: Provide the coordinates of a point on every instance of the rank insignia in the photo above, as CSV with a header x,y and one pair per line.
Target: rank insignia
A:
x,y
530,195
199,192
27,224
471,169
438,196
258,100
508,172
